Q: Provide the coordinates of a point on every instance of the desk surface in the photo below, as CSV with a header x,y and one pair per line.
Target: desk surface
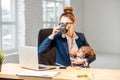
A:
x,y
10,70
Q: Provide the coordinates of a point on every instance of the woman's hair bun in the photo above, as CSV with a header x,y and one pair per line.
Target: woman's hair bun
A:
x,y
68,9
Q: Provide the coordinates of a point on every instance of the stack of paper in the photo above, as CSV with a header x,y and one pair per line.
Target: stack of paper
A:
x,y
38,73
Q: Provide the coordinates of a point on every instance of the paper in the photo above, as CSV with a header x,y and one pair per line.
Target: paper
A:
x,y
38,73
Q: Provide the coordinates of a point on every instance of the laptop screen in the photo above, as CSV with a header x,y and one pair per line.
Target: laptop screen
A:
x,y
28,57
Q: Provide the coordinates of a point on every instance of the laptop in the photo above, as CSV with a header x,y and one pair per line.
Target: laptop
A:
x,y
28,58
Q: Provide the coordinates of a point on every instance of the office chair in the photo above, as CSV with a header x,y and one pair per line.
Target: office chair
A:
x,y
47,58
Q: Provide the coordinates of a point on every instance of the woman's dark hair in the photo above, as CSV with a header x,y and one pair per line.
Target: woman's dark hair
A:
x,y
68,12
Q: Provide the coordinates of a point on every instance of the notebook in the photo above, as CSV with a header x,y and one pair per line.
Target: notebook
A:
x,y
28,58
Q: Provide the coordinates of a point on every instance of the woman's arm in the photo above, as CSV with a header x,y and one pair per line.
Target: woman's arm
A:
x,y
49,43
89,60
45,45
85,61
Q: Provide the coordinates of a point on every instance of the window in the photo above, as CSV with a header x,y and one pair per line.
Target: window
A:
x,y
52,10
8,25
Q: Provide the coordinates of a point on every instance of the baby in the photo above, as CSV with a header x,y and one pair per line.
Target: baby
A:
x,y
84,52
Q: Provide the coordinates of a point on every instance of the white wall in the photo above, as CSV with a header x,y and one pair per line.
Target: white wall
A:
x,y
78,8
21,22
102,24
32,21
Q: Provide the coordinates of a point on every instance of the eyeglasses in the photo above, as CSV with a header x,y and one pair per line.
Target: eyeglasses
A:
x,y
65,23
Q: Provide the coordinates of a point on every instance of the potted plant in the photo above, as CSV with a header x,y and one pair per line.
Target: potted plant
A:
x,y
1,59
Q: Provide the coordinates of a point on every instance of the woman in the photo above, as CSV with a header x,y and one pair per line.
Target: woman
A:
x,y
67,42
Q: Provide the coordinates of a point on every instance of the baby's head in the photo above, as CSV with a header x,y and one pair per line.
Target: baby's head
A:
x,y
86,51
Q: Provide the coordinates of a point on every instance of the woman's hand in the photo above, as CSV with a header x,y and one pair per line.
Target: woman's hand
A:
x,y
55,30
